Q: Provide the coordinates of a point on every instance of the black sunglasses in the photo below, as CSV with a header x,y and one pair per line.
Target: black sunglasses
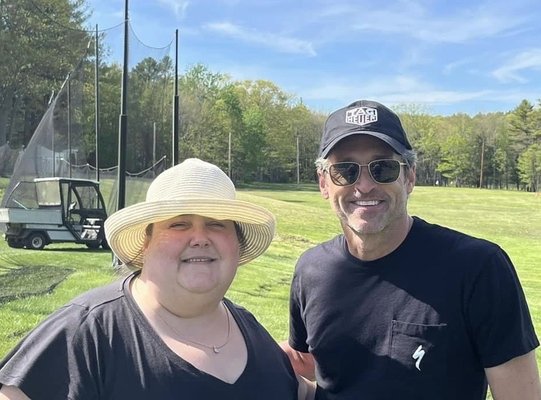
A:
x,y
381,171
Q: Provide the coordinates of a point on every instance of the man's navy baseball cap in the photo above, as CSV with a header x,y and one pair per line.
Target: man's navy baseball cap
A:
x,y
364,117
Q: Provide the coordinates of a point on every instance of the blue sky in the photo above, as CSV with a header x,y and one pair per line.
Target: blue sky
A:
x,y
442,56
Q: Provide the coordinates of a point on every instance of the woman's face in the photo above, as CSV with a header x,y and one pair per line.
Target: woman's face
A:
x,y
192,254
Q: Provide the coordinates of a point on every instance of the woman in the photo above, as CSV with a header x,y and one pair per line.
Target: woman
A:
x,y
166,331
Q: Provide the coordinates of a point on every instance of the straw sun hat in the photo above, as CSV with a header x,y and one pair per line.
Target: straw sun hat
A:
x,y
191,187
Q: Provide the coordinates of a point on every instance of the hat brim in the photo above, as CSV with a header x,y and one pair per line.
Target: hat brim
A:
x,y
395,144
125,229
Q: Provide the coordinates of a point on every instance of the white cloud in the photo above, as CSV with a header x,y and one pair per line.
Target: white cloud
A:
x,y
178,6
451,67
435,97
280,43
395,90
510,71
412,19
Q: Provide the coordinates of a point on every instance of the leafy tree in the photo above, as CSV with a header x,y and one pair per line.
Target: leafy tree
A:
x,y
252,141
110,78
459,150
503,159
149,112
529,166
424,132
200,88
486,128
523,131
229,109
522,126
308,127
40,42
276,161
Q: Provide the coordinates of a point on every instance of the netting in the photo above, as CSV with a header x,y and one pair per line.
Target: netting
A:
x,y
9,158
71,142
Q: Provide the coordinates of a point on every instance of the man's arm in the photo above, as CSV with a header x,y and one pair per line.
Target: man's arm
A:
x,y
12,393
303,363
517,378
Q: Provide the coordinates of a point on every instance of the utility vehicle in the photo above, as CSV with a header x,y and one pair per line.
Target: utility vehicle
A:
x,y
51,210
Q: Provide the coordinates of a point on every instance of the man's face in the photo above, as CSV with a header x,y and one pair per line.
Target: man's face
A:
x,y
367,207
193,254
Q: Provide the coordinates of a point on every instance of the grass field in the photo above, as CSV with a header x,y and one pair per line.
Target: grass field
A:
x,y
34,283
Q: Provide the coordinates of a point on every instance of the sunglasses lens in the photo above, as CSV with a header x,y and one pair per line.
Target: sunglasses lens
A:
x,y
384,171
381,171
343,174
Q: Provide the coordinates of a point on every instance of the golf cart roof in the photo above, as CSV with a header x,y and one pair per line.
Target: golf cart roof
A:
x,y
62,179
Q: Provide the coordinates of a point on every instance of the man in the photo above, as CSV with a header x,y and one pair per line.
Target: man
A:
x,y
395,307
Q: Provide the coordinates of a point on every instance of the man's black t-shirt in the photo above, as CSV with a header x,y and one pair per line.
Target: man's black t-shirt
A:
x,y
420,323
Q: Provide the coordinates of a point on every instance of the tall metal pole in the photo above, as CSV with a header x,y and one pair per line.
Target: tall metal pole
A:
x,y
154,147
97,103
229,156
123,121
298,166
53,151
482,163
68,94
176,116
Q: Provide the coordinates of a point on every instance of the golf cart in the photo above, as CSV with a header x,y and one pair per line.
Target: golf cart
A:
x,y
53,210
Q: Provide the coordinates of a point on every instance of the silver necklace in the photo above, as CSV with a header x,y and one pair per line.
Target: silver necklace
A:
x,y
215,349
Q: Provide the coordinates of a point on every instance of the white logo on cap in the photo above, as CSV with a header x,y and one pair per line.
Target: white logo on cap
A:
x,y
361,116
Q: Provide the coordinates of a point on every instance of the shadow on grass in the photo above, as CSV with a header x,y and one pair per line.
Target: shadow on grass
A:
x,y
19,282
74,250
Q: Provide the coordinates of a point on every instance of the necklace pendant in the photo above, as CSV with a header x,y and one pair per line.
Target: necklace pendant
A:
x,y
215,349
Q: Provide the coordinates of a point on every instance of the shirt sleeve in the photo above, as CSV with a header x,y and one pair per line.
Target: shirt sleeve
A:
x,y
297,327
498,312
43,364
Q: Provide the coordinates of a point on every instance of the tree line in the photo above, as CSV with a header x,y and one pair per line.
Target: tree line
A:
x,y
496,150
252,129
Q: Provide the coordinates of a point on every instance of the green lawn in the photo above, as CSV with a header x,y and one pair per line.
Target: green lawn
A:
x,y
34,283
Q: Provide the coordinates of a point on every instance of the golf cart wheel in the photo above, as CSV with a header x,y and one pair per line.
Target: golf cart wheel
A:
x,y
36,241
93,245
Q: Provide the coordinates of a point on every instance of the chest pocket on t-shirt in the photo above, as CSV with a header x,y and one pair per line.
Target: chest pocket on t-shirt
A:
x,y
418,351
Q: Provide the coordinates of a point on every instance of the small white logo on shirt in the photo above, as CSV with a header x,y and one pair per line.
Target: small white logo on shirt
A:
x,y
418,355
